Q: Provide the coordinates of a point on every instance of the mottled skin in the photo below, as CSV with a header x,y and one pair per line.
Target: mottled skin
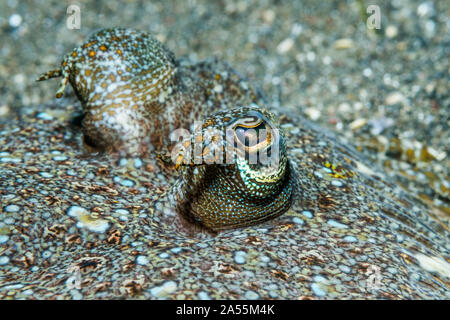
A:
x,y
132,88
350,231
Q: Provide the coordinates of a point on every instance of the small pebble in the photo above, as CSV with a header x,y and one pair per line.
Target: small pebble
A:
x,y
394,98
15,20
343,43
285,45
391,31
312,113
357,124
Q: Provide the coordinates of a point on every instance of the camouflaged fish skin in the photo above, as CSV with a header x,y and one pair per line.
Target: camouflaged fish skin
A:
x,y
94,225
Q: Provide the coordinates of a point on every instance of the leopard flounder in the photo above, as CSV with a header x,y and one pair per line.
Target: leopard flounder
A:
x,y
326,223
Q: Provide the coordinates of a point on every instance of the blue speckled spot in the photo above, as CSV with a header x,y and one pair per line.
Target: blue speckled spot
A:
x,y
203,295
12,208
344,268
392,270
3,239
318,175
164,255
176,250
9,220
166,288
318,291
28,292
142,260
350,239
336,224
46,175
239,257
71,172
251,295
60,158
298,220
123,182
44,116
202,245
137,163
122,211
337,183
8,159
307,214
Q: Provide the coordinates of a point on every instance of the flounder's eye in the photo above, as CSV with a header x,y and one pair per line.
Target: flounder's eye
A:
x,y
252,134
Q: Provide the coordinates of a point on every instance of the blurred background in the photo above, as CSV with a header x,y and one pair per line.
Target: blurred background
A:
x,y
385,90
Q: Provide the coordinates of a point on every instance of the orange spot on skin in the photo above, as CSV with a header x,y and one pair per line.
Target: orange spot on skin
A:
x,y
103,48
91,53
87,45
119,52
178,162
74,54
209,122
88,72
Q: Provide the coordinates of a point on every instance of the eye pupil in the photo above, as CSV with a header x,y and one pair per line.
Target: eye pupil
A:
x,y
249,136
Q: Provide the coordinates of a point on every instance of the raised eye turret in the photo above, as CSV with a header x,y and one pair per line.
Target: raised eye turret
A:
x,y
254,181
